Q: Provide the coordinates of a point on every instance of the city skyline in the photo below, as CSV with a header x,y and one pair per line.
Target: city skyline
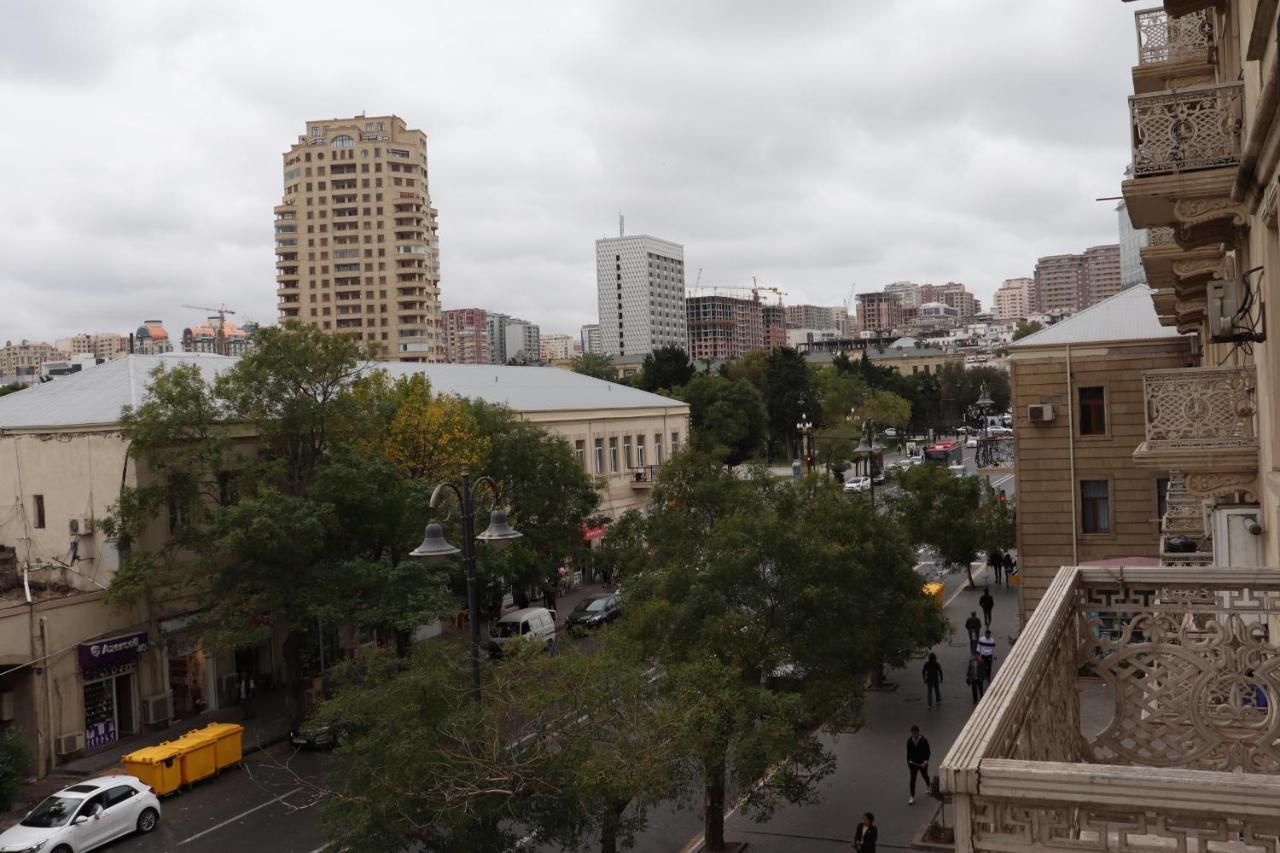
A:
x,y
178,199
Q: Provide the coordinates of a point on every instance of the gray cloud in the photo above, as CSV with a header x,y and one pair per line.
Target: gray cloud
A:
x,y
813,146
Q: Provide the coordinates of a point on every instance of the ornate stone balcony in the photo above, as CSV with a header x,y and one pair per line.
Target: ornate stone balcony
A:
x,y
1197,128
1137,711
1202,421
1173,52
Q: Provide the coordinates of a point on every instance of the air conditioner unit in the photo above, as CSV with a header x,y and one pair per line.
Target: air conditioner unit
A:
x,y
1223,302
1040,414
68,744
81,526
6,706
157,710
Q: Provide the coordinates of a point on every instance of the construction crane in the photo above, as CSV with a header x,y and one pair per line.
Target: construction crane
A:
x,y
757,289
220,339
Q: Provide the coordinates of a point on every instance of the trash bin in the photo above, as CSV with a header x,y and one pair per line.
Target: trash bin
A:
x,y
228,739
199,755
158,766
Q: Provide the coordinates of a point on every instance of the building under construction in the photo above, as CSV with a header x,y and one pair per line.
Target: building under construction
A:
x,y
722,326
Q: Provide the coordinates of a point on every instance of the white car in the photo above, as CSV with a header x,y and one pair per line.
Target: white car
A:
x,y
971,442
85,816
857,484
532,624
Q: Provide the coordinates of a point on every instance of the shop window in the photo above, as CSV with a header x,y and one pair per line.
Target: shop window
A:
x,y
1095,506
38,510
1093,412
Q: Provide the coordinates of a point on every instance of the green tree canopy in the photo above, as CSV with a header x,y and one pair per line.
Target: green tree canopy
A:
x,y
594,364
938,509
789,393
1025,328
727,417
666,368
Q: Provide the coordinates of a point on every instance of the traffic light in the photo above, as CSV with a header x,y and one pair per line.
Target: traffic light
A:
x,y
1002,497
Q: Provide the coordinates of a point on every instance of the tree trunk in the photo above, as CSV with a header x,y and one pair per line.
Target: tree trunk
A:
x,y
294,689
610,824
875,678
713,819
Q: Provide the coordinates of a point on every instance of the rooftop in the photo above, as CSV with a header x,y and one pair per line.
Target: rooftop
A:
x,y
1130,315
96,397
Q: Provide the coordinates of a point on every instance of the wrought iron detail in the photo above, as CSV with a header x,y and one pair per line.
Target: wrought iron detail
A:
x,y
1192,129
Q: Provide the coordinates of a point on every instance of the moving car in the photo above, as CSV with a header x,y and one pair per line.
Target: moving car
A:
x,y
594,611
85,816
860,483
972,441
531,624
879,477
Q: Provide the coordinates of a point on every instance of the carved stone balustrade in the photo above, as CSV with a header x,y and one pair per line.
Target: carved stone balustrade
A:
x,y
1186,756
1162,38
1202,421
1197,128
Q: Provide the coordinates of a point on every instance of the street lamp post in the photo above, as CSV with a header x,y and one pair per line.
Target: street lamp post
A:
x,y
804,426
866,449
435,547
984,403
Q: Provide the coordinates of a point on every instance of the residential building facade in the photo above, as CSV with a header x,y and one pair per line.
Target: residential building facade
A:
x,y
1102,273
20,362
103,345
1015,300
558,347
908,293
909,360
523,341
152,339
590,339
466,335
774,318
878,312
1059,283
1132,242
640,290
357,251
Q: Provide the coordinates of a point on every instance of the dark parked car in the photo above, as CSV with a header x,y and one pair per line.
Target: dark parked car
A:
x,y
594,611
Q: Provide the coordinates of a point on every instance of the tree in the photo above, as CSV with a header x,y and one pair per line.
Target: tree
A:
x,y
433,436
961,388
1025,328
594,364
16,761
995,521
750,366
727,417
666,368
789,393
759,585
940,510
11,389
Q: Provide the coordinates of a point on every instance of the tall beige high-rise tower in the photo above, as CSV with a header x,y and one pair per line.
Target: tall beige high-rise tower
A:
x,y
356,245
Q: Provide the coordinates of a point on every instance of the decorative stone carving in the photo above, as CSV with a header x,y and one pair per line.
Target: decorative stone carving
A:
x,y
1194,211
1160,236
1192,129
1162,38
1208,484
1268,210
1200,408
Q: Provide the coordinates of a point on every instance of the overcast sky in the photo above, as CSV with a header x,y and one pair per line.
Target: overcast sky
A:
x,y
815,145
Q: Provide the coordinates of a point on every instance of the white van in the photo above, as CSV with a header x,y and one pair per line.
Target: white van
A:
x,y
537,624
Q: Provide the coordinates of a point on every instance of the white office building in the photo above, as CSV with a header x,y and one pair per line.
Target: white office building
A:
x,y
1132,241
640,285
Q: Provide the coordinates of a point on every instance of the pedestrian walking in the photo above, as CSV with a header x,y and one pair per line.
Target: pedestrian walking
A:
x,y
247,689
987,652
974,626
932,679
974,677
986,603
995,562
1010,566
917,761
864,837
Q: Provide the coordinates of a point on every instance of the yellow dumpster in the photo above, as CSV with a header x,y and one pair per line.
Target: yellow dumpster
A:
x,y
199,755
159,766
934,590
227,744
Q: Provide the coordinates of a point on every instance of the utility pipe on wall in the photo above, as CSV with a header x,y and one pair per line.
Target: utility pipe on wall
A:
x,y
1071,457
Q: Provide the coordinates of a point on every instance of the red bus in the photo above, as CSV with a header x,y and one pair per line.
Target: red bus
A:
x,y
948,451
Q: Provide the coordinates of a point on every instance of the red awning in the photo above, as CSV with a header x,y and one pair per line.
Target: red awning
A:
x,y
589,533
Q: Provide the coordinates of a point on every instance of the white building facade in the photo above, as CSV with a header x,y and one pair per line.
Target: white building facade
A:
x,y
640,287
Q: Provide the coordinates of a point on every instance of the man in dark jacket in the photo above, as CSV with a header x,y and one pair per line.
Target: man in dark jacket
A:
x,y
974,626
932,679
917,760
986,603
976,677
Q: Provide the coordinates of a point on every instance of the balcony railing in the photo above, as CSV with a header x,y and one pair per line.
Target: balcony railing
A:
x,y
1172,745
1196,128
1162,38
1200,408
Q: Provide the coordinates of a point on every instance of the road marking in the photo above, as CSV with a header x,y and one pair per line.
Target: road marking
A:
x,y
1006,478
242,814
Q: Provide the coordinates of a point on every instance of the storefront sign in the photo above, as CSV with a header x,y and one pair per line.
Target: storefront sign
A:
x,y
113,650
100,734
111,670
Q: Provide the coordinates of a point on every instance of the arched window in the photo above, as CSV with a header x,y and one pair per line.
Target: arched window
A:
x,y
342,141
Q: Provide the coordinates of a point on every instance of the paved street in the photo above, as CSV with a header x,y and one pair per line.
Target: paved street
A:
x,y
266,805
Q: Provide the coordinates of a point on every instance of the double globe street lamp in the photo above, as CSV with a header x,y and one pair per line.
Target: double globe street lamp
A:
x,y
804,426
984,449
867,448
434,547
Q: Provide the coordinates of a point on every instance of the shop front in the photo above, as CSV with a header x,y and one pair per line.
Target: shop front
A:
x,y
109,675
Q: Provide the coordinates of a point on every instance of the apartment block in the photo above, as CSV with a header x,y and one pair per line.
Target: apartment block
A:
x,y
723,327
878,312
640,290
218,337
1015,299
908,293
466,336
357,251
558,347
1102,273
817,317
590,339
1059,284
953,294
1132,242
103,345
522,342
20,362
774,318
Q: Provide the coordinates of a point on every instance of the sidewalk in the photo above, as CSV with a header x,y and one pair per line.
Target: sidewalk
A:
x,y
871,768
270,726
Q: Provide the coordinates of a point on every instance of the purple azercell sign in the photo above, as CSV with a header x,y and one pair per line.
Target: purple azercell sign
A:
x,y
112,650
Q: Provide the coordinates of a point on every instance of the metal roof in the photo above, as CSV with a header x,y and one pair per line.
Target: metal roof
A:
x,y
1130,315
97,395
